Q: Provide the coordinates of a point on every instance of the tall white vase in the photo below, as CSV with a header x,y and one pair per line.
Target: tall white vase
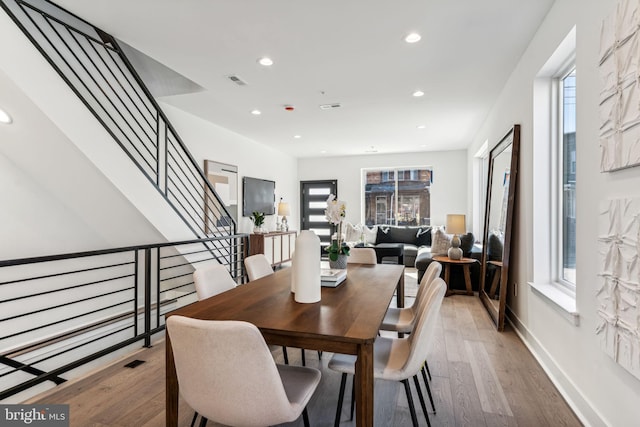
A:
x,y
293,272
306,268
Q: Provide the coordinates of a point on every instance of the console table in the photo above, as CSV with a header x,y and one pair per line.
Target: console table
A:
x,y
277,246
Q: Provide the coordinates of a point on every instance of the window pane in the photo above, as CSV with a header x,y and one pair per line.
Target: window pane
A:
x,y
319,191
398,197
569,177
318,205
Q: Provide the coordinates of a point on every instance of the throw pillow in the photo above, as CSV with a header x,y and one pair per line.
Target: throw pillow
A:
x,y
440,243
370,234
384,235
423,236
494,250
351,232
466,244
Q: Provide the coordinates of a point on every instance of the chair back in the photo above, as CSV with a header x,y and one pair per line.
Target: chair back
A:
x,y
257,266
362,256
212,280
226,372
433,271
422,334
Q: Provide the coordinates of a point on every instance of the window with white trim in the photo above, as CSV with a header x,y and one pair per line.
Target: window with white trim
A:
x,y
554,180
566,170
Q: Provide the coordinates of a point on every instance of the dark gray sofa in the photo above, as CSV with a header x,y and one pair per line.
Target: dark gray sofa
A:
x,y
411,237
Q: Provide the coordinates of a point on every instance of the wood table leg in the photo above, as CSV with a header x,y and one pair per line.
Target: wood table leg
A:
x,y
171,386
494,283
446,278
400,292
364,385
467,279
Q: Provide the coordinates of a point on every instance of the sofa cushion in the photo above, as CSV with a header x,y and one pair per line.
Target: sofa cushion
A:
x,y
441,242
423,236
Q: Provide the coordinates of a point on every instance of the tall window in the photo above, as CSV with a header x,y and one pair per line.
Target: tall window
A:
x,y
397,196
567,177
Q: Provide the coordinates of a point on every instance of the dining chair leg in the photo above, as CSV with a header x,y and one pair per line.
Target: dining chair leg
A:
x,y
195,417
285,355
426,383
426,365
343,382
304,360
412,408
421,397
305,417
203,421
423,405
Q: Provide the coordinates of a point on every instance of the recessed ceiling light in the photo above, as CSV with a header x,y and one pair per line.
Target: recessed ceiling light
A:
x,y
256,112
267,62
5,117
297,136
424,146
323,151
371,150
412,38
418,93
421,126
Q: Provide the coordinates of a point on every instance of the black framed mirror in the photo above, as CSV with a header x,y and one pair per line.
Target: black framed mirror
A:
x,y
498,222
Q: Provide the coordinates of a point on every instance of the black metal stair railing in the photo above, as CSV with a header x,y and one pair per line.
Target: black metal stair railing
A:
x,y
62,311
91,62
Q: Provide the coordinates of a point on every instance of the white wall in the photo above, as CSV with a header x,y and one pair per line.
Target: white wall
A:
x,y
53,199
448,191
602,392
207,141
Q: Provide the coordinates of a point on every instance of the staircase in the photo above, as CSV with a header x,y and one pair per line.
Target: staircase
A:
x,y
82,306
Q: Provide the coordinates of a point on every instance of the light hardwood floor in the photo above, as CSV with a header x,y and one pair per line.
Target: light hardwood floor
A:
x,y
480,378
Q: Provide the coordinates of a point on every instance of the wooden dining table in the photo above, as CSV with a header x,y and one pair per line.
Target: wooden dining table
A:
x,y
346,320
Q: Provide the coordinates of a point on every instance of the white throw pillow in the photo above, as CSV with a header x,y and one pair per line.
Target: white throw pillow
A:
x,y
440,242
351,232
370,234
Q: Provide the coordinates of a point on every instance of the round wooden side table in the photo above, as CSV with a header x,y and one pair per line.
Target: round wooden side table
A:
x,y
465,263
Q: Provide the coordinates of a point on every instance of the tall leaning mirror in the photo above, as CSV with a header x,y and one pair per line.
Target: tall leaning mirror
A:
x,y
498,220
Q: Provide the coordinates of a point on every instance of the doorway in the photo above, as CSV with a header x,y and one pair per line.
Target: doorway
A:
x,y
313,201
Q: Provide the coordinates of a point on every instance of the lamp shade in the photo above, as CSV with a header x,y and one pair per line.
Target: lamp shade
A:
x,y
456,224
283,209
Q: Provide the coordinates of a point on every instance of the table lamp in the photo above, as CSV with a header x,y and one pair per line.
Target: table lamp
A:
x,y
283,211
455,225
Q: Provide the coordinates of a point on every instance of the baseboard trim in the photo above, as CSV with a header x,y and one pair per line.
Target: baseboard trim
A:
x,y
580,405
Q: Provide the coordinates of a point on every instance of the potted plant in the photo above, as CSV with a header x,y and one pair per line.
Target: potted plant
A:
x,y
258,220
338,250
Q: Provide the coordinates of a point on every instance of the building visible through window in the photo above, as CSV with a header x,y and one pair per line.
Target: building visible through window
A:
x,y
568,219
398,196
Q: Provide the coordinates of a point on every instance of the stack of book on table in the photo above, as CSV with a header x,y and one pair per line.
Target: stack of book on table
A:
x,y
332,277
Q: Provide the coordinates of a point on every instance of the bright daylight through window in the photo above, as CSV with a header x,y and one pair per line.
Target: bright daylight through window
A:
x,y
567,220
398,196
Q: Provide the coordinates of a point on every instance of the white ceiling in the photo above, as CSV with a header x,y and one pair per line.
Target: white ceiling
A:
x,y
347,51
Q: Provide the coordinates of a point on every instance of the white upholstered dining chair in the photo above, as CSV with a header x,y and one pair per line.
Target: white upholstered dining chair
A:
x,y
257,266
226,373
402,320
362,256
212,280
398,359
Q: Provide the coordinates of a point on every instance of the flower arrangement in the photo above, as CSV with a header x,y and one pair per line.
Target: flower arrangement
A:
x,y
335,213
